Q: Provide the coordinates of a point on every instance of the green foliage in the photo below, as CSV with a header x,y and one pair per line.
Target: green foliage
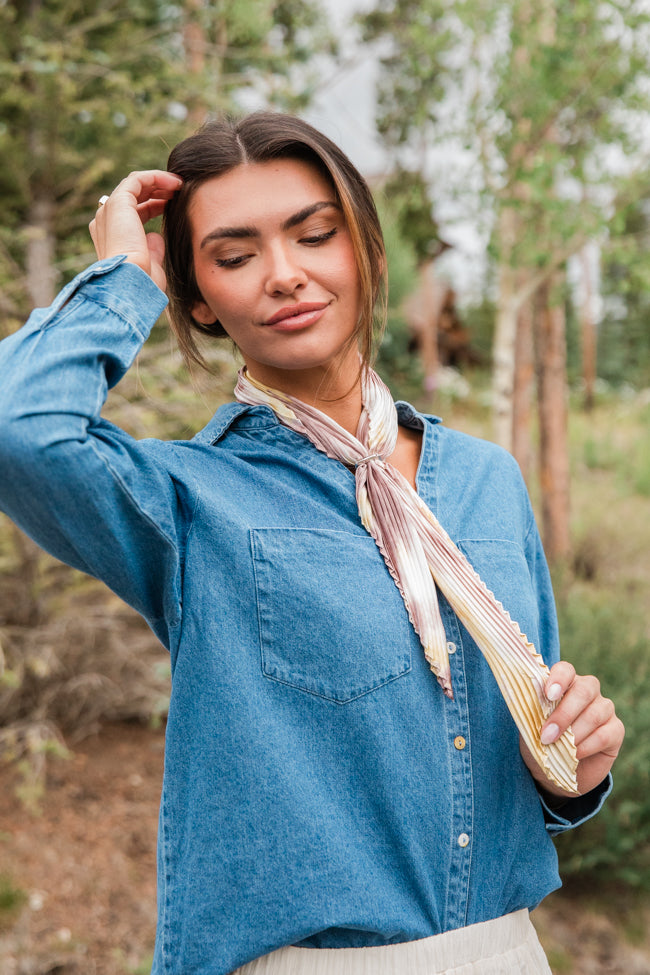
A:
x,y
624,333
396,361
604,637
12,899
401,253
543,99
629,462
410,199
141,968
641,471
91,90
479,320
558,123
560,961
600,454
78,79
411,82
257,50
144,968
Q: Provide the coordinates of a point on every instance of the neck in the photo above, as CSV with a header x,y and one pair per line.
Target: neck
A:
x,y
338,396
345,409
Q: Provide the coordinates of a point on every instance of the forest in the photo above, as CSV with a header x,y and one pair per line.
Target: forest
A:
x,y
527,123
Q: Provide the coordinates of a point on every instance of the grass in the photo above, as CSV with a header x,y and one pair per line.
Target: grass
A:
x,y
560,961
12,899
141,967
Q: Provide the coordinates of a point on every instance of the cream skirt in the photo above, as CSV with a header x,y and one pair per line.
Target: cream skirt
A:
x,y
505,946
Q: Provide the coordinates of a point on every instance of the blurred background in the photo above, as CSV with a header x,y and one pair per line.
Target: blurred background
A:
x,y
507,144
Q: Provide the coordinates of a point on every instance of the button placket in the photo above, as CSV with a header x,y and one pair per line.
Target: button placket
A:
x,y
461,823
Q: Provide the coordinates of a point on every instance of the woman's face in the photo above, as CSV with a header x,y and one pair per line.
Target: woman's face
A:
x,y
275,266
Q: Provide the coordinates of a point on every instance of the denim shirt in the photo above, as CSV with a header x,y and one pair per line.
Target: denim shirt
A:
x,y
319,789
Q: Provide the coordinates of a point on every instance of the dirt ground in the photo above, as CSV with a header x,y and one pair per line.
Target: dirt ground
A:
x,y
77,879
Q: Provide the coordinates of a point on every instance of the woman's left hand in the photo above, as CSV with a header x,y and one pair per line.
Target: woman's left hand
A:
x,y
598,732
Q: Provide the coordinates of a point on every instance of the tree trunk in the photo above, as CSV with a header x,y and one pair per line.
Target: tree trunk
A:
x,y
195,44
39,258
588,330
553,419
524,383
503,376
422,310
40,276
432,300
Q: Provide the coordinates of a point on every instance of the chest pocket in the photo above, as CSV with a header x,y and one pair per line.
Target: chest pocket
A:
x,y
332,622
503,567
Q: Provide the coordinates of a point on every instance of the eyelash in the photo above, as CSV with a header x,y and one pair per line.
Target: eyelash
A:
x,y
320,238
314,241
230,261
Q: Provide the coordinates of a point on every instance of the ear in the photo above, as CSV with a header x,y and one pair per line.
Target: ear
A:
x,y
202,314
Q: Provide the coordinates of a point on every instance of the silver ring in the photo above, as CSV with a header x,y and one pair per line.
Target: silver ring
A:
x,y
103,199
366,460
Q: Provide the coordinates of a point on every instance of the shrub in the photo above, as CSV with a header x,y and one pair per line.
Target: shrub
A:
x,y
71,657
603,638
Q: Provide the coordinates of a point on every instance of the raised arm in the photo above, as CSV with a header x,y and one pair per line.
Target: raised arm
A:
x,y
83,489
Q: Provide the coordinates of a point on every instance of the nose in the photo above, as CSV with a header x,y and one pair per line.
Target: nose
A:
x,y
284,273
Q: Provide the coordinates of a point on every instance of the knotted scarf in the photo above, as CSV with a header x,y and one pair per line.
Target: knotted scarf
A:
x,y
420,555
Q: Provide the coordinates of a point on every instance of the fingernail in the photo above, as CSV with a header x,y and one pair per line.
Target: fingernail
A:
x,y
550,734
554,693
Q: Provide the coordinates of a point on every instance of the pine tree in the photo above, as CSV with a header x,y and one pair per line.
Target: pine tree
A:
x,y
90,90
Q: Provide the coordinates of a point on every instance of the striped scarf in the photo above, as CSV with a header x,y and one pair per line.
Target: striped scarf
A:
x,y
420,555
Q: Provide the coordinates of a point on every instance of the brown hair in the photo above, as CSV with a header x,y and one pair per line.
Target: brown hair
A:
x,y
220,146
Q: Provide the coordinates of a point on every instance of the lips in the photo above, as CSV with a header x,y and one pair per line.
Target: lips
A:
x,y
297,316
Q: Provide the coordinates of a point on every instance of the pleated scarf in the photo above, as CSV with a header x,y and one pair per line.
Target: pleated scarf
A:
x,y
420,555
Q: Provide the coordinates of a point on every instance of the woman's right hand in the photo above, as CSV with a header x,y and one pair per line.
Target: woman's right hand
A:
x,y
118,225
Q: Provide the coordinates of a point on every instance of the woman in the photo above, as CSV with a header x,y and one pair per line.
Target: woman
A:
x,y
322,789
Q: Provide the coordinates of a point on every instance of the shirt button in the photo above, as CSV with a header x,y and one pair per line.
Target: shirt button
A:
x,y
459,742
463,840
451,647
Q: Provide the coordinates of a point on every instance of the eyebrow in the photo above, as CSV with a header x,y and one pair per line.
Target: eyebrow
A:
x,y
238,233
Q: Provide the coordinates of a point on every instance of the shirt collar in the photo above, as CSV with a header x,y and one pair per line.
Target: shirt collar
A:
x,y
408,416
231,413
263,416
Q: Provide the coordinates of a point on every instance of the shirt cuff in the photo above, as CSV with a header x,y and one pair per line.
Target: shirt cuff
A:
x,y
574,812
129,292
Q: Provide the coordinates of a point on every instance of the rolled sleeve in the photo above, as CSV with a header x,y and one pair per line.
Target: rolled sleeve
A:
x,y
576,811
